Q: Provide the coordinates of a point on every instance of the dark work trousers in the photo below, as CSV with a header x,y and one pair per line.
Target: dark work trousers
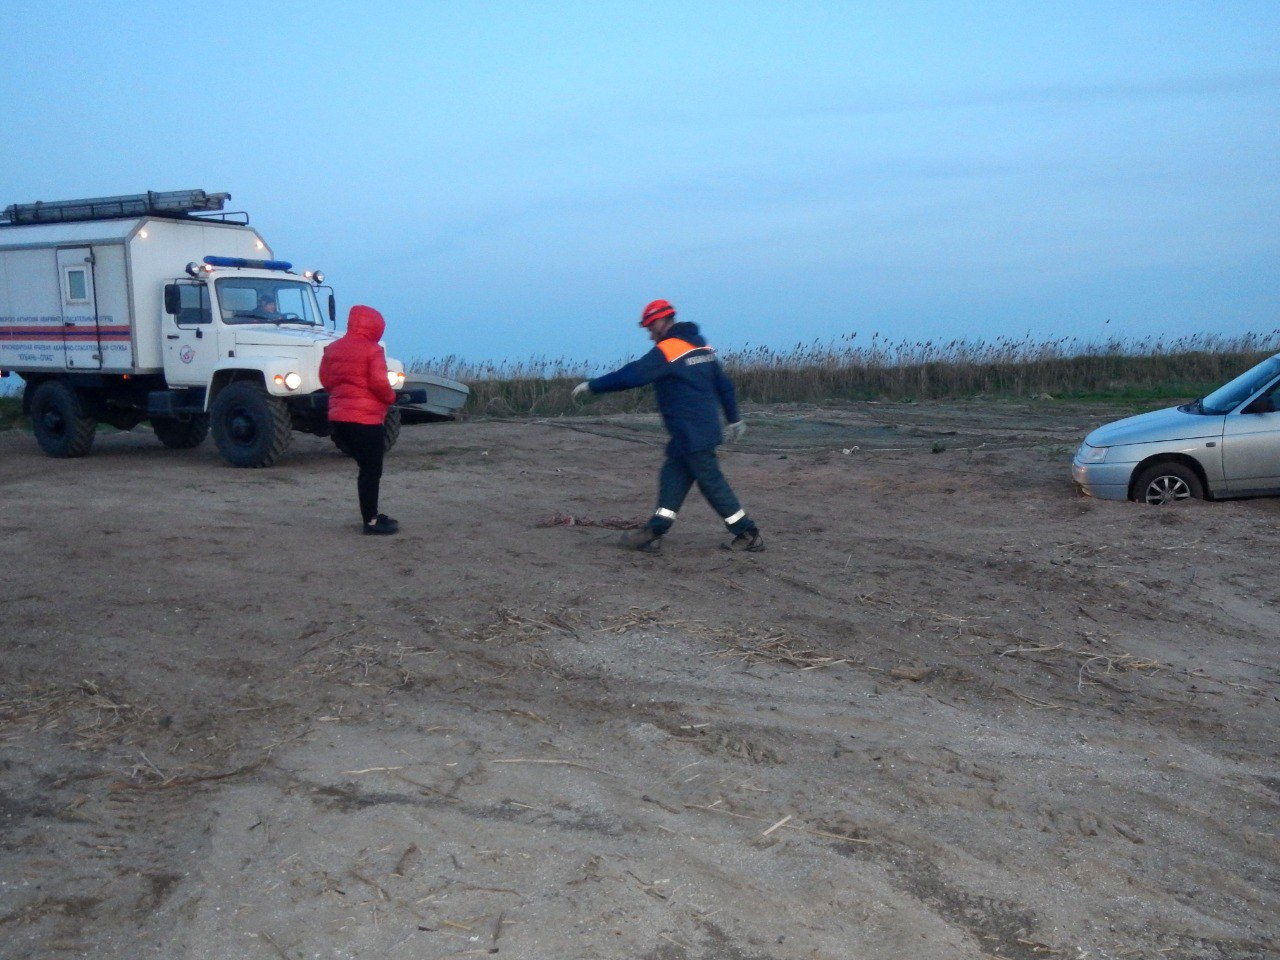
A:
x,y
363,442
679,474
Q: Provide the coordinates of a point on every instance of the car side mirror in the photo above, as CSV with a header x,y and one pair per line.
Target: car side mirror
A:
x,y
172,299
333,311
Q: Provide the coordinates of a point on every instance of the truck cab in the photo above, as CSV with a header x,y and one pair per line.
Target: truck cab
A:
x,y
243,339
225,313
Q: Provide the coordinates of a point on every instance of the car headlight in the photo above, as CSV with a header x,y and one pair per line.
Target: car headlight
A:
x,y
290,381
395,378
1088,454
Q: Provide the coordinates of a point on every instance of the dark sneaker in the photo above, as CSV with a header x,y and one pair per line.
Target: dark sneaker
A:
x,y
646,540
747,542
381,526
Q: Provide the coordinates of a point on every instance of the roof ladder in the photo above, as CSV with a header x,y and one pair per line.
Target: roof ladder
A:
x,y
174,203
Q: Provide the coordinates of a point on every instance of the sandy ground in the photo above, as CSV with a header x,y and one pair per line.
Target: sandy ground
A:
x,y
955,711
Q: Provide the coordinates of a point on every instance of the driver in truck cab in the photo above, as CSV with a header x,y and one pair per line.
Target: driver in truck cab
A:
x,y
266,305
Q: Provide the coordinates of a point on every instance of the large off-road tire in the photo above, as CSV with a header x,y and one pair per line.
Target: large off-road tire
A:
x,y
250,427
181,434
390,433
390,429
59,422
1167,482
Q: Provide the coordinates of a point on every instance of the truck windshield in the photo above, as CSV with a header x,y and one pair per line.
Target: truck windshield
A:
x,y
1229,396
262,300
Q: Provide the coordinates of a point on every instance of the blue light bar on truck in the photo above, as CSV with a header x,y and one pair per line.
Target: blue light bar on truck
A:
x,y
242,262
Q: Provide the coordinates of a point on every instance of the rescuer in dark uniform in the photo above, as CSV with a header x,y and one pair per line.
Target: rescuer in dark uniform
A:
x,y
692,389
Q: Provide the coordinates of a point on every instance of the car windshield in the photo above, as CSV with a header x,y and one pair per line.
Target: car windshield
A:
x,y
1229,396
262,300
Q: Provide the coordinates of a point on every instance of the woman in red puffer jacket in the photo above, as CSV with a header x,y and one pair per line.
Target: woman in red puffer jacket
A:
x,y
354,371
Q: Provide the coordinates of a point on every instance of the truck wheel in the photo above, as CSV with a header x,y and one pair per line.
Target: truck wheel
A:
x,y
251,428
390,433
59,423
390,429
181,434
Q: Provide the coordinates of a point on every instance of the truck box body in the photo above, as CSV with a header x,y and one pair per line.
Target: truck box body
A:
x,y
89,296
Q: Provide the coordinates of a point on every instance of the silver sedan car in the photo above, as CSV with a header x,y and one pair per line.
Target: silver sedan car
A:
x,y
1224,445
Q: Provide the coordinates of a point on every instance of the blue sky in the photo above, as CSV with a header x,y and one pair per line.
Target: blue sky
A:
x,y
515,180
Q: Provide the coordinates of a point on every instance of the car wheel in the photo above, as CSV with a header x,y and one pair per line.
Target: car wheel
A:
x,y
1167,482
58,421
250,427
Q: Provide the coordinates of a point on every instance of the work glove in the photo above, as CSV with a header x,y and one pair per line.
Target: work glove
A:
x,y
736,430
580,389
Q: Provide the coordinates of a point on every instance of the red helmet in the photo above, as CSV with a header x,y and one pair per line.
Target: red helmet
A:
x,y
658,310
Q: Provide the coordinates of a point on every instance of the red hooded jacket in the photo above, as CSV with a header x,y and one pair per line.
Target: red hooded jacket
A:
x,y
354,371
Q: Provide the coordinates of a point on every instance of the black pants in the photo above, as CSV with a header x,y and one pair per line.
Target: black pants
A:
x,y
677,477
363,442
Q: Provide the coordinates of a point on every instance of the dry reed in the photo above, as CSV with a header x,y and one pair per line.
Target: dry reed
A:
x,y
848,370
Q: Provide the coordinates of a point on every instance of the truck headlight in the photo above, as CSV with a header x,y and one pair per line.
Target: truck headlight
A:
x,y
1088,454
395,378
290,381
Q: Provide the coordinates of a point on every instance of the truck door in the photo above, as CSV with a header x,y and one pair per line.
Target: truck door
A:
x,y
80,344
190,338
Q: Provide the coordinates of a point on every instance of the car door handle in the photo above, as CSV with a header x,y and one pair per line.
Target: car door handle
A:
x,y
172,336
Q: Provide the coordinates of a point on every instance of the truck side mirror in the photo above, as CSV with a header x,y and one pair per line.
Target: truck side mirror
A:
x,y
333,311
172,299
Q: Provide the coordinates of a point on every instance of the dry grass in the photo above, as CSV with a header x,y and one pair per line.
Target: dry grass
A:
x,y
879,369
93,716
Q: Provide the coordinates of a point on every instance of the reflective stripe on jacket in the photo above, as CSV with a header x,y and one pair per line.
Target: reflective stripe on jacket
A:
x,y
690,385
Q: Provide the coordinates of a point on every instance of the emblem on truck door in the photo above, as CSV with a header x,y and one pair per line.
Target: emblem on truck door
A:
x,y
186,354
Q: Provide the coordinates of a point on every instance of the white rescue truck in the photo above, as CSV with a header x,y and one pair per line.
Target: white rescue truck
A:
x,y
161,307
